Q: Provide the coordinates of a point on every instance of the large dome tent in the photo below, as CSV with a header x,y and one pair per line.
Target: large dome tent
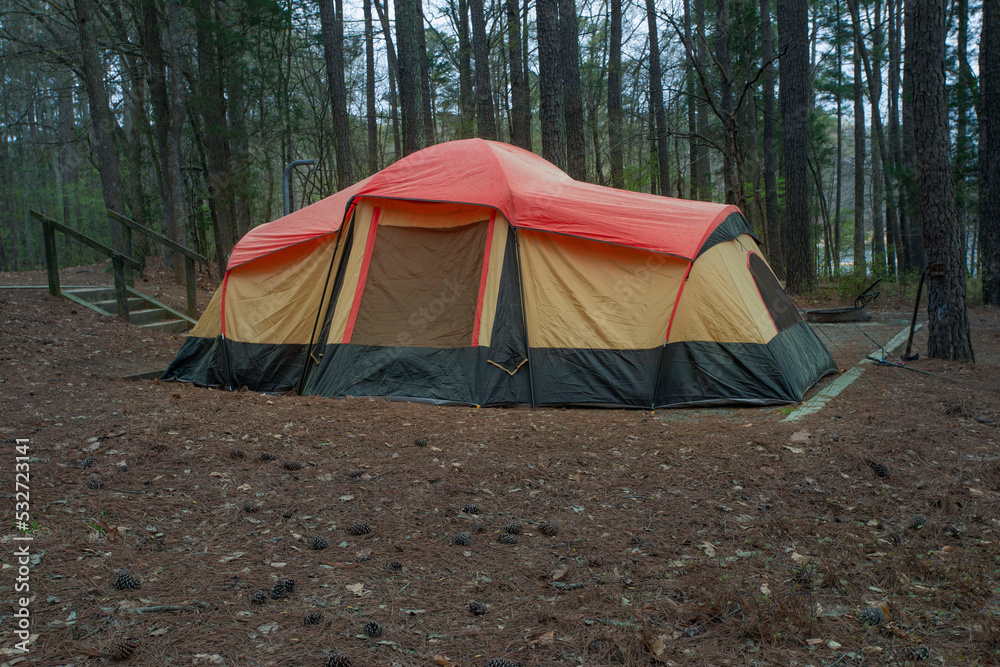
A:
x,y
474,272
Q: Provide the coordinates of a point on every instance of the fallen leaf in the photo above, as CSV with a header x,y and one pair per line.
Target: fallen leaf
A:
x,y
834,645
558,573
708,548
795,450
357,589
658,645
765,589
442,660
814,641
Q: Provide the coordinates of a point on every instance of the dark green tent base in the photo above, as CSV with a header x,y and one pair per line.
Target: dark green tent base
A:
x,y
690,374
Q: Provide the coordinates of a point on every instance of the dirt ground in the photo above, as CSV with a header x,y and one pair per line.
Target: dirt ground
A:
x,y
693,537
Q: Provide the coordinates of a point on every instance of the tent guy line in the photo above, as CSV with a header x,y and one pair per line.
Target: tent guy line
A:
x,y
832,390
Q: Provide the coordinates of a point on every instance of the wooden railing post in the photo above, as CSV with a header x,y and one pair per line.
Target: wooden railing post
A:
x,y
121,288
127,237
51,260
191,280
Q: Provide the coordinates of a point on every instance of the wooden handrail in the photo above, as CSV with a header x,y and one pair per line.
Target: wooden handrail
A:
x,y
118,260
170,243
83,238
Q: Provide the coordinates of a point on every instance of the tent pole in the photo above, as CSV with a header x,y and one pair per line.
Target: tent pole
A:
x,y
524,317
312,336
666,338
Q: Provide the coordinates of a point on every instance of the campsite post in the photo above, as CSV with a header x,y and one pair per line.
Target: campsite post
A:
x,y
285,189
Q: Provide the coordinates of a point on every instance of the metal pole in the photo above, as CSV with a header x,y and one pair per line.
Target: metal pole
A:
x,y
284,181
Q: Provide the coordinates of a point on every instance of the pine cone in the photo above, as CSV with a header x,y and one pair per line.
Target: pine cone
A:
x,y
94,483
127,581
917,653
549,528
339,660
258,598
124,648
372,629
479,528
289,584
420,442
159,448
312,618
463,539
871,616
500,662
250,507
278,591
268,457
293,465
394,566
86,463
471,509
354,474
238,455
880,470
512,528
917,521
123,467
359,528
507,538
319,543
477,608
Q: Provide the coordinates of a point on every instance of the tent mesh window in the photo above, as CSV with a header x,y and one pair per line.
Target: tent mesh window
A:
x,y
779,306
422,287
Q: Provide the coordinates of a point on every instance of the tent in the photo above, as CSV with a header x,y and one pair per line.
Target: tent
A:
x,y
473,272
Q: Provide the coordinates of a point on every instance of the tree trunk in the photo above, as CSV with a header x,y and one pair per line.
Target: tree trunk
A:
x,y
729,175
520,127
894,154
963,99
874,74
704,166
370,110
948,318
860,150
427,110
466,82
102,121
569,52
989,153
692,108
549,83
486,121
795,93
840,142
332,25
908,171
215,133
659,127
390,53
773,226
616,154
408,61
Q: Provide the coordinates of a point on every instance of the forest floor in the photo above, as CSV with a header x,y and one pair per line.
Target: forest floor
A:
x,y
687,537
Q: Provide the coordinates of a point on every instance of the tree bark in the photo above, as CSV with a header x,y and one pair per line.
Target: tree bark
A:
x,y
427,109
989,153
215,132
874,74
520,126
409,74
948,318
103,123
692,107
894,154
773,225
963,98
616,154
908,170
659,127
840,141
549,82
729,174
795,93
331,15
466,81
704,166
860,150
569,52
390,53
486,121
370,110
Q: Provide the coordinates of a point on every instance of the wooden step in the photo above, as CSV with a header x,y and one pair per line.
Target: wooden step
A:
x,y
144,311
168,326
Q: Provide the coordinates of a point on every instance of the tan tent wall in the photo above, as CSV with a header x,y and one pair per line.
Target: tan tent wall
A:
x,y
210,323
720,301
598,296
274,299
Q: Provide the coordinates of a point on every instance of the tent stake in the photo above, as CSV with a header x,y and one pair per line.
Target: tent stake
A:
x,y
913,323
